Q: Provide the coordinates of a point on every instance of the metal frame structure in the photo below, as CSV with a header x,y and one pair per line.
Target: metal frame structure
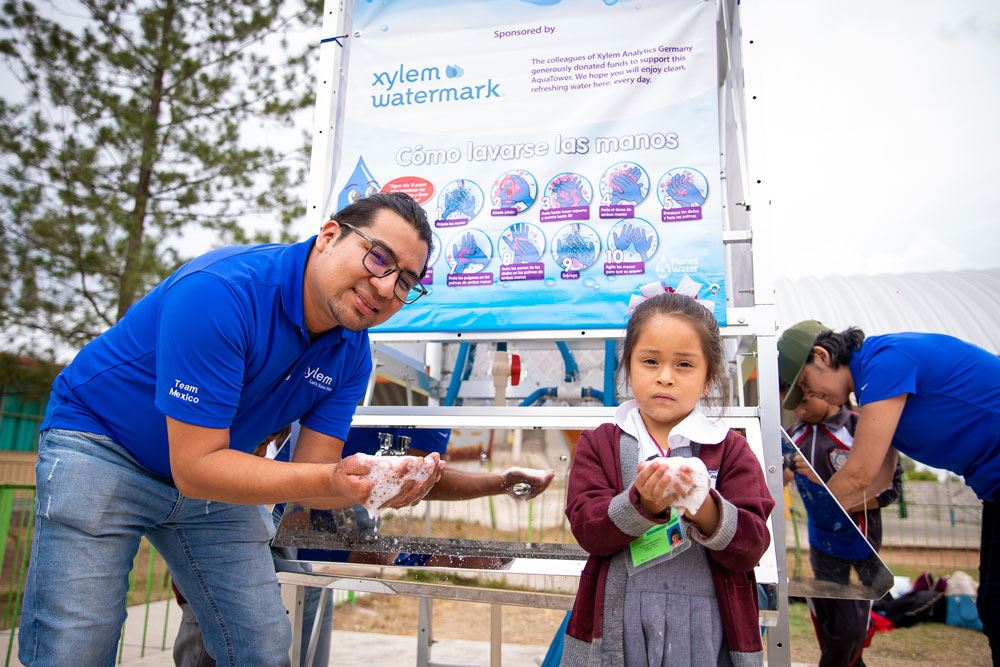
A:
x,y
751,314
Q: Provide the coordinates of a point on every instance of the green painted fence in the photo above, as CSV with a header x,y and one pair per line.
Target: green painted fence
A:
x,y
19,420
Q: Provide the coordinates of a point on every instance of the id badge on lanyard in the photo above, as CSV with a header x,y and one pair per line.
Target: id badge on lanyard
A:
x,y
657,545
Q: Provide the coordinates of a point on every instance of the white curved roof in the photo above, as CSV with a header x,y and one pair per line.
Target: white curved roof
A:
x,y
964,304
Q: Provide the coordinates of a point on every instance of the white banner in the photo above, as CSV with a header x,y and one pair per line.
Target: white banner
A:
x,y
566,153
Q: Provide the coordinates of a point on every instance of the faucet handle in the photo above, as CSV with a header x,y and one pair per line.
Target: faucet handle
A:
x,y
385,445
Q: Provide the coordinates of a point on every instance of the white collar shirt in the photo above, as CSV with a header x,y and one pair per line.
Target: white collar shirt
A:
x,y
696,427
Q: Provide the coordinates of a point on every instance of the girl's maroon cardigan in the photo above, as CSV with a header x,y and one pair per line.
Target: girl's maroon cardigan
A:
x,y
596,478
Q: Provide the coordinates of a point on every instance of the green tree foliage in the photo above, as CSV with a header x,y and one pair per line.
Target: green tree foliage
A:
x,y
136,124
26,378
910,470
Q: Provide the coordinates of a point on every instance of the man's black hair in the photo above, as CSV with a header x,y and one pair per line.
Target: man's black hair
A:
x,y
841,346
361,213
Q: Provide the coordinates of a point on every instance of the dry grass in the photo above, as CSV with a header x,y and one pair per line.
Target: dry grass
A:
x,y
924,644
398,615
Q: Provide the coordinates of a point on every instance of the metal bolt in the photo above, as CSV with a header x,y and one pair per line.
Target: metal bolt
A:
x,y
772,469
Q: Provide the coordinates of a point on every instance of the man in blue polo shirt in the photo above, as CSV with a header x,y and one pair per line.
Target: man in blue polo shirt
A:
x,y
149,432
934,398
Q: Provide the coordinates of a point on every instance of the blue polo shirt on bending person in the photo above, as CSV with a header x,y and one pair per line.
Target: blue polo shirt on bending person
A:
x,y
250,365
951,418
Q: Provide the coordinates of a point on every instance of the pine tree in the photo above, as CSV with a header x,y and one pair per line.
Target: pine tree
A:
x,y
137,123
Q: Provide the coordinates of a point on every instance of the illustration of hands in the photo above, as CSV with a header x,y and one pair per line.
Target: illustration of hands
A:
x,y
524,250
625,186
466,253
642,241
576,248
514,190
683,190
624,239
460,200
568,191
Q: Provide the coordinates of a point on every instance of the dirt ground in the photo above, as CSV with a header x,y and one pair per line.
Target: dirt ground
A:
x,y
921,645
393,614
926,644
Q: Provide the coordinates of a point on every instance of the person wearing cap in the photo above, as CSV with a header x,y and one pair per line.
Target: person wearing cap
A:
x,y
149,432
932,397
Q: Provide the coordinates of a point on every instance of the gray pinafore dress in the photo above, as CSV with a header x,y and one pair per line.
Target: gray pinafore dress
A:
x,y
671,616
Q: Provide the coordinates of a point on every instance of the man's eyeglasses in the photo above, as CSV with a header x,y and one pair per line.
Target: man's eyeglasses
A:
x,y
380,262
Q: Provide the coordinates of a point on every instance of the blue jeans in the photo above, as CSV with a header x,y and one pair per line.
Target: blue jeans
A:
x,y
93,504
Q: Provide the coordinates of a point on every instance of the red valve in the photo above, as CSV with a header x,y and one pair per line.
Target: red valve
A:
x,y
515,370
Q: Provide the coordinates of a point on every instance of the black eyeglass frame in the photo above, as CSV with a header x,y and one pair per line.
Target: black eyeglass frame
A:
x,y
372,244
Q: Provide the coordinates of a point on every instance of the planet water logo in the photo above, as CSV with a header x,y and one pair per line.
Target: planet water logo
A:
x,y
407,86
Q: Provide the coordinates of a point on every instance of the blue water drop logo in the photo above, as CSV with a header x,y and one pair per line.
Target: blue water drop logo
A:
x,y
384,28
453,71
610,2
360,183
550,281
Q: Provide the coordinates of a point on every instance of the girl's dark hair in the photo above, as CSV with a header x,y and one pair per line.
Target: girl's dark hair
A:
x,y
361,213
841,346
686,308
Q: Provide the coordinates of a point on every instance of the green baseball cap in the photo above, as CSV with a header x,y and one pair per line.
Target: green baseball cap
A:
x,y
794,348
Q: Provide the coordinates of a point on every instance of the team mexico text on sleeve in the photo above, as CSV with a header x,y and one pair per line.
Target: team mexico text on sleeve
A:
x,y
202,343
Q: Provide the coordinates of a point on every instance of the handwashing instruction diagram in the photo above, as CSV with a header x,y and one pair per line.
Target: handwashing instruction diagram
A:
x,y
562,162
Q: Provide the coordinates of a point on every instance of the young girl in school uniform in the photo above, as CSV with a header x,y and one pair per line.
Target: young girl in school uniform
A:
x,y
664,464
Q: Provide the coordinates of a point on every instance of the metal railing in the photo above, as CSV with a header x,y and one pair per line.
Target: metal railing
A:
x,y
931,530
147,630
149,580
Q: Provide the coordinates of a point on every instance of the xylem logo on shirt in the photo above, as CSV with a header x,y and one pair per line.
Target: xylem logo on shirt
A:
x,y
393,89
184,392
318,379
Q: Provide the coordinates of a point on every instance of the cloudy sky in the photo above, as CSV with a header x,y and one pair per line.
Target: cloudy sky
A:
x,y
883,135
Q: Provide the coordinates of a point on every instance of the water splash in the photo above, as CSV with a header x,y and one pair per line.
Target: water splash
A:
x,y
521,489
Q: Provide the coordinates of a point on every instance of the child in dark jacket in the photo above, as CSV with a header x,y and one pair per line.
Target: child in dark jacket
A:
x,y
824,434
663,465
